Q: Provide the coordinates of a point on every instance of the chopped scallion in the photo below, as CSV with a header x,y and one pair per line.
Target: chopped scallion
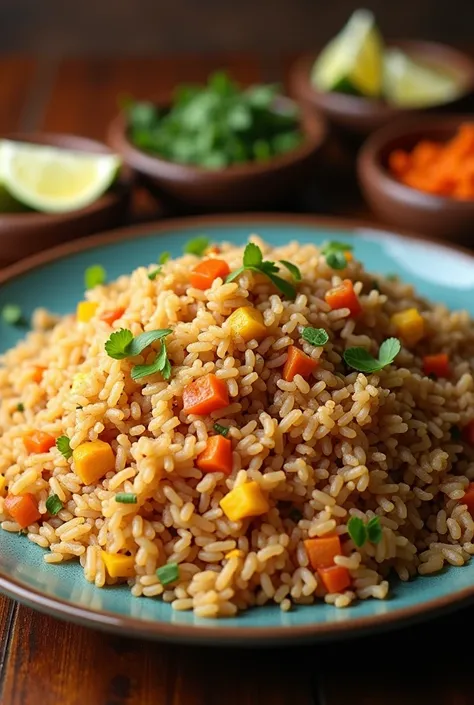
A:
x,y
168,573
126,498
54,504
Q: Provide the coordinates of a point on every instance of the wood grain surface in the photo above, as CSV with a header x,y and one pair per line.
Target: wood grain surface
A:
x,y
47,662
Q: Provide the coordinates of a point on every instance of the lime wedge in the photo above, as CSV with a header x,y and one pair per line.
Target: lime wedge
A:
x,y
54,180
409,84
352,61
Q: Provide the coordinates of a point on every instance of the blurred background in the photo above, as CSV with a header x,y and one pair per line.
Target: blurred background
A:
x,y
55,27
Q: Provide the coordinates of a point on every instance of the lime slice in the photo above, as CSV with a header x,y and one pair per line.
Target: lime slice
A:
x,y
352,61
54,180
409,84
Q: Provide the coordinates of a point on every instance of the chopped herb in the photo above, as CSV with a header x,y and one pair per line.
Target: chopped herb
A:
x,y
295,514
222,430
335,246
94,275
164,257
360,359
20,407
153,274
360,532
54,504
336,260
357,531
315,336
126,498
197,246
456,433
253,260
334,253
12,314
160,364
122,344
168,573
63,445
293,269
374,530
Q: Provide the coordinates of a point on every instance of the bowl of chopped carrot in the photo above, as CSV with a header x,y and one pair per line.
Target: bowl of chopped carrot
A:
x,y
419,174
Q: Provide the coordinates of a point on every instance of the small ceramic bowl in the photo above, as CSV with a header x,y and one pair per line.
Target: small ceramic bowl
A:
x,y
360,116
24,233
407,207
193,189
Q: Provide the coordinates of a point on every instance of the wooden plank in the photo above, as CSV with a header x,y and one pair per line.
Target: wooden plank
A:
x,y
16,76
85,94
53,662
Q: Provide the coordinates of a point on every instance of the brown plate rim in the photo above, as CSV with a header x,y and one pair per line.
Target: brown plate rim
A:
x,y
250,636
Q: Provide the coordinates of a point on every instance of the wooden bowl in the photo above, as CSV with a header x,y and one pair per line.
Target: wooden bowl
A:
x,y
193,189
24,233
360,116
401,205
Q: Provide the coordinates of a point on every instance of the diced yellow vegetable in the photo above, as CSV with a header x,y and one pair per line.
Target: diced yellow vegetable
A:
x,y
119,566
93,460
235,553
410,325
248,323
2,483
85,310
244,501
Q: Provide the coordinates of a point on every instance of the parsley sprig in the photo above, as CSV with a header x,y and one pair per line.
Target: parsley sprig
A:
x,y
334,253
360,532
253,261
122,344
63,445
360,359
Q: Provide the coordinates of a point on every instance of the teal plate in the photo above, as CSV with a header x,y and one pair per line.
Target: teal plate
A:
x,y
55,280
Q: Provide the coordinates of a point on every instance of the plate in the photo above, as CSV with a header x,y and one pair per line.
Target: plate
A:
x,y
54,279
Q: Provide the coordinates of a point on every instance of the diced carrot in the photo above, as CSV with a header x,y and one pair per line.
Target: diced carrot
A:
x,y
205,395
436,364
23,508
344,296
111,316
206,271
321,551
469,498
37,374
468,433
217,457
38,442
298,363
335,578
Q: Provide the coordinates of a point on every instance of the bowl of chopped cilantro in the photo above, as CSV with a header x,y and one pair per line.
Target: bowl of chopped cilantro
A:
x,y
218,146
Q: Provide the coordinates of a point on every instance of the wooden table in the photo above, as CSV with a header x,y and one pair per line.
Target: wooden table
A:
x,y
47,662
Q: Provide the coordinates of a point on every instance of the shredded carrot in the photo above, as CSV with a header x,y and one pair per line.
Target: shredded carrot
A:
x,y
468,433
23,508
217,457
38,442
469,498
298,363
321,551
335,578
206,271
37,374
441,169
111,316
205,395
437,365
344,296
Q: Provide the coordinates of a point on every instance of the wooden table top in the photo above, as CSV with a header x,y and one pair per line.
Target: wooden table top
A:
x,y
47,662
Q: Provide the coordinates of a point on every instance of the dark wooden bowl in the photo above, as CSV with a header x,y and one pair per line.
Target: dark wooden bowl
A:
x,y
361,116
256,185
24,233
401,205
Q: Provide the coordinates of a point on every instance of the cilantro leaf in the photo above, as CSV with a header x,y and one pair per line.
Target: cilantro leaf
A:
x,y
389,350
293,269
234,275
197,246
160,364
164,257
116,346
374,530
357,531
285,287
54,504
253,260
315,336
335,246
138,344
252,256
154,273
336,260
94,275
63,445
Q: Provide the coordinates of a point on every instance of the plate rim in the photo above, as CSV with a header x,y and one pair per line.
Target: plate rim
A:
x,y
224,635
